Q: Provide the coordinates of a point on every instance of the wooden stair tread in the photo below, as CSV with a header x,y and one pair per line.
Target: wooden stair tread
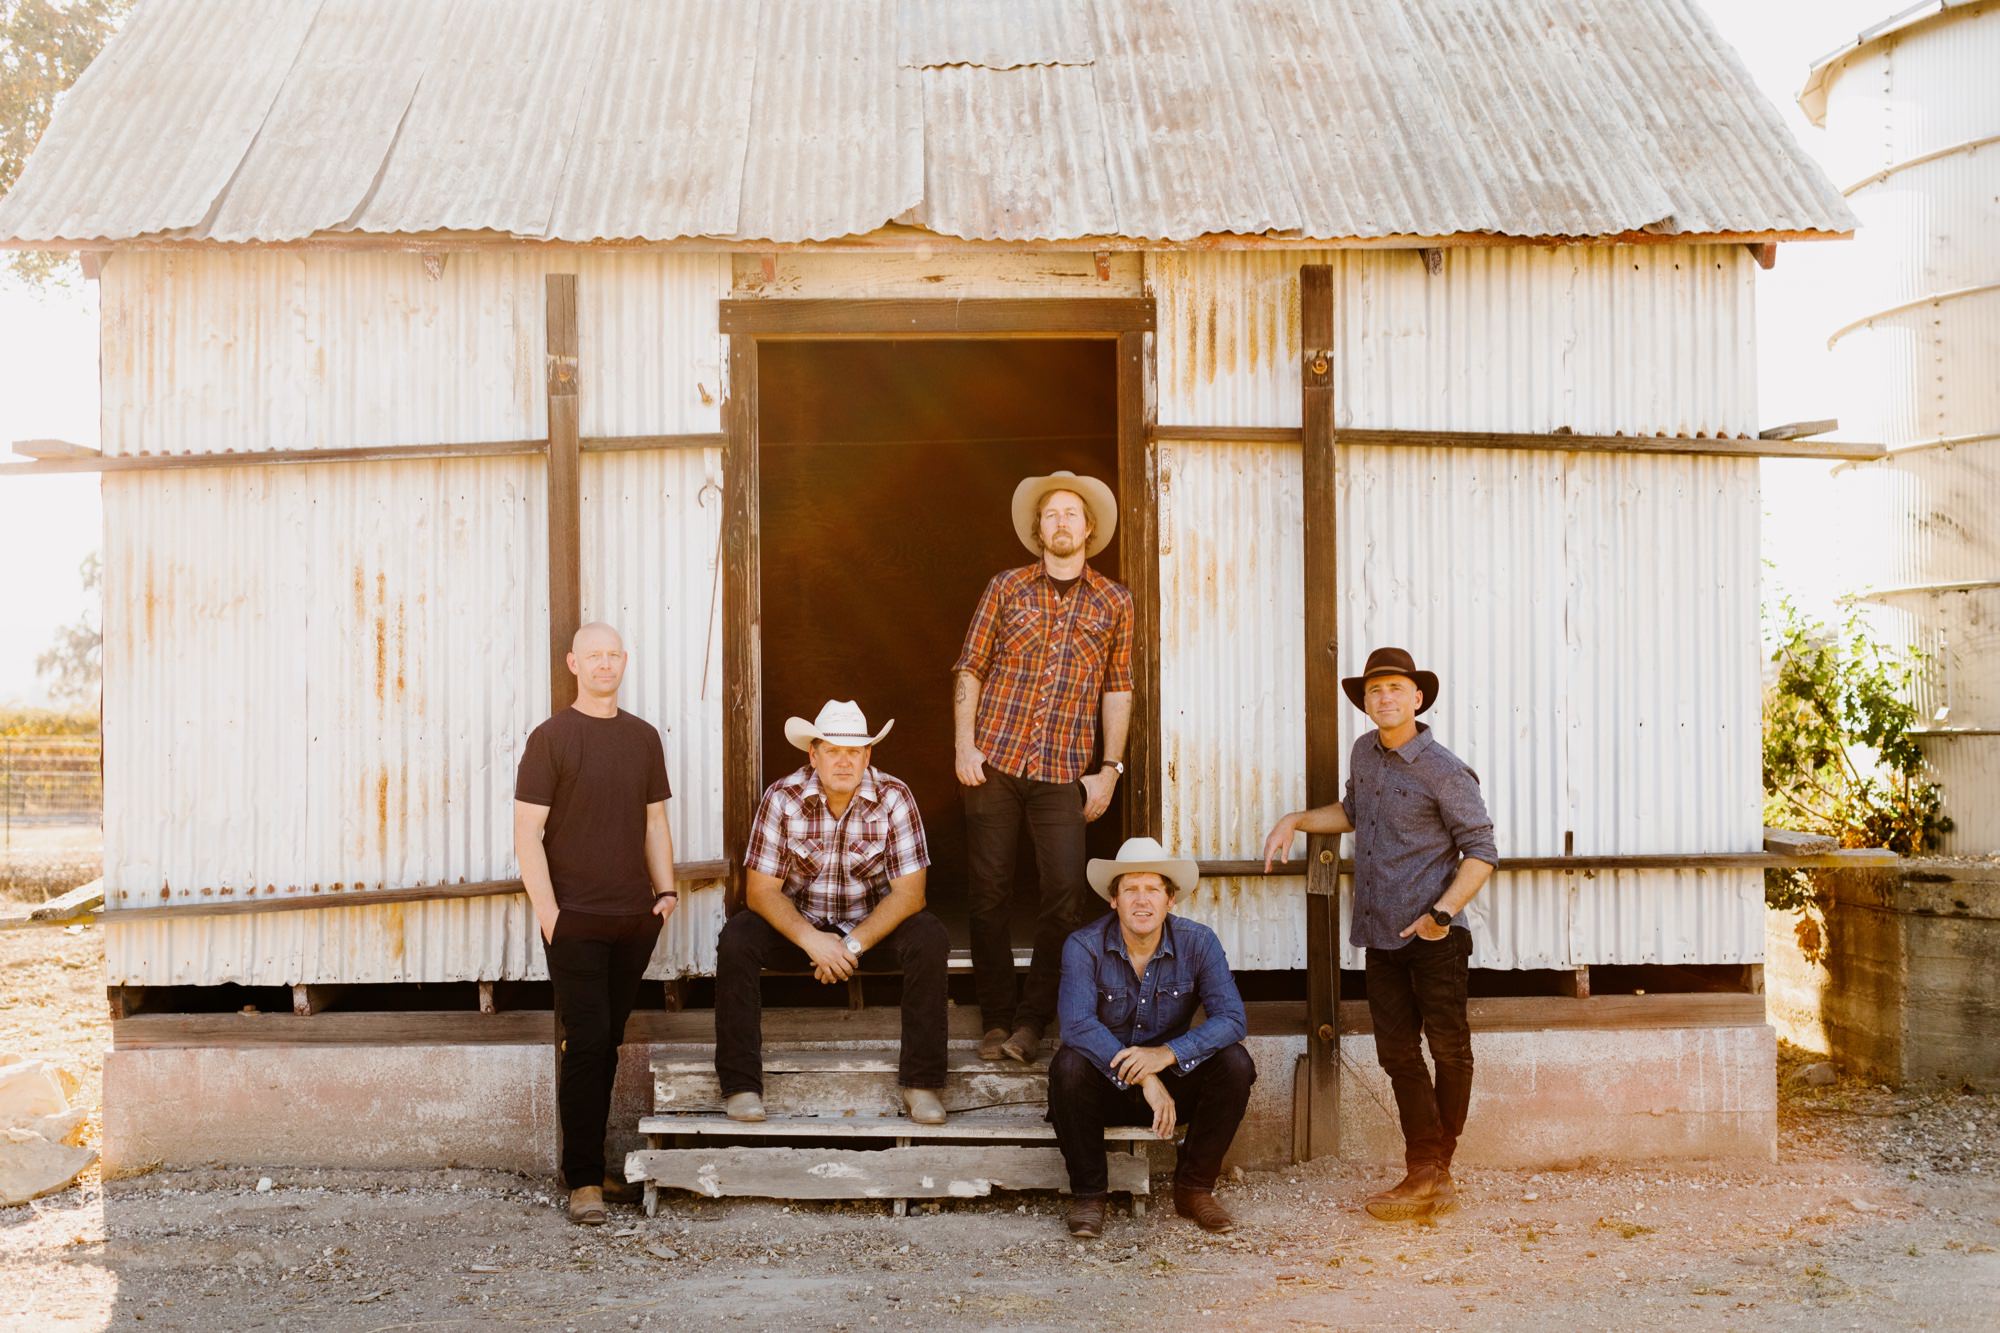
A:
x,y
933,1171
986,1125
848,1060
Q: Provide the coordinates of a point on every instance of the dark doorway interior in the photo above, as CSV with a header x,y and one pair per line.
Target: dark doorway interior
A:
x,y
886,470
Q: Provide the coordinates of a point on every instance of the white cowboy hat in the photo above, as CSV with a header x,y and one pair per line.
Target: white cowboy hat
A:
x,y
1137,856
837,724
1097,498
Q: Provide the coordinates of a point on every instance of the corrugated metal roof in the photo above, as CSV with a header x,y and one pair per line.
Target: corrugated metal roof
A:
x,y
788,122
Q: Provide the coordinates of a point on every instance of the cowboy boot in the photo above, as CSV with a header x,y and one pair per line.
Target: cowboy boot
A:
x,y
586,1206
743,1106
1024,1045
1200,1207
623,1191
990,1044
1416,1195
1086,1216
923,1105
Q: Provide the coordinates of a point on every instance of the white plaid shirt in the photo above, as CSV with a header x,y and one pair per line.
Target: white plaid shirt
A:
x,y
836,870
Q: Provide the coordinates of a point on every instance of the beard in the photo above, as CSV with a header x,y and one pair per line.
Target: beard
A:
x,y
1063,543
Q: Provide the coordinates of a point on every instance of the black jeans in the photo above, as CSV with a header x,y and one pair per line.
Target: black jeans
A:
x,y
1208,1099
1416,990
595,966
749,944
994,811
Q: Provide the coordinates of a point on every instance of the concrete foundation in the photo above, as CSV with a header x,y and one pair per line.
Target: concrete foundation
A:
x,y
1542,1098
1897,974
1564,1097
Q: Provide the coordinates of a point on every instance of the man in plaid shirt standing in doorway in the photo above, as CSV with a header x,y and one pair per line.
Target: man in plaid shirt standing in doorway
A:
x,y
1047,660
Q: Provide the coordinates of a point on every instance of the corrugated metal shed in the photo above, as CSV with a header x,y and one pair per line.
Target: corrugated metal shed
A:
x,y
788,122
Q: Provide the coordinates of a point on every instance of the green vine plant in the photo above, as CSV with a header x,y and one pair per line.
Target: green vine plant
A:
x,y
1840,752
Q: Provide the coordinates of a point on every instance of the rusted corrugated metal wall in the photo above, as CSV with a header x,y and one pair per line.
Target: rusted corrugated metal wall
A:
x,y
1594,617
319,677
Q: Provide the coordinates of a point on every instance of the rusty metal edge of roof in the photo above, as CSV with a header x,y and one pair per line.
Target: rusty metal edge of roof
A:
x,y
895,238
1820,74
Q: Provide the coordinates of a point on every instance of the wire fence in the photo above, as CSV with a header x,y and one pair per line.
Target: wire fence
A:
x,y
50,780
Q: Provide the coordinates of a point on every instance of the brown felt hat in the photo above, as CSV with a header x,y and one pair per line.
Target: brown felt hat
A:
x,y
1391,662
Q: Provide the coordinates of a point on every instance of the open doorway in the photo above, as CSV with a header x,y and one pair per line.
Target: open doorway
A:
x,y
886,468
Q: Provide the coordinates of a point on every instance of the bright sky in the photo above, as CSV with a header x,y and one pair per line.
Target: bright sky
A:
x,y
48,375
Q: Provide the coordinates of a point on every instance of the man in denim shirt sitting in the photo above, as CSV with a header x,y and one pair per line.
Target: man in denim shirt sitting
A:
x,y
1130,985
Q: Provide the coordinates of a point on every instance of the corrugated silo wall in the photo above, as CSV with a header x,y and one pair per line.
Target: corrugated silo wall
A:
x,y
1913,134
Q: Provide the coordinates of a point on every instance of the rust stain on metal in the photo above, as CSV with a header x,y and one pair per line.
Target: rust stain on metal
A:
x,y
392,918
360,593
382,812
152,597
381,659
401,651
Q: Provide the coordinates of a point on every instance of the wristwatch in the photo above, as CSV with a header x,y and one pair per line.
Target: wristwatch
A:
x,y
853,945
1442,917
1115,766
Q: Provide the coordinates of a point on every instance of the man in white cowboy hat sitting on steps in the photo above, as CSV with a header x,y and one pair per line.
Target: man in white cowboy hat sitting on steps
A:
x,y
834,882
1131,1054
1047,659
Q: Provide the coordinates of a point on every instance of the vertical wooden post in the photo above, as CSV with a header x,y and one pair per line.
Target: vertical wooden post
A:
x,y
1322,699
1139,549
742,576
565,494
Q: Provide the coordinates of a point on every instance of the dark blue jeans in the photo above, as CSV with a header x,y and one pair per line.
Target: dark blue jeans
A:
x,y
994,813
1209,1099
1417,993
749,944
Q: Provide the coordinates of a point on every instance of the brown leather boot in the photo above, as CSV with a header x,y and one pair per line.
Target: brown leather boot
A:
x,y
1416,1195
586,1206
1086,1216
1447,1193
623,1191
1200,1207
990,1044
1024,1045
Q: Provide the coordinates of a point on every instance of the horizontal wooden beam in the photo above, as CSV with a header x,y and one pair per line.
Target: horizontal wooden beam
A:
x,y
386,453
1829,450
627,444
381,453
1847,860
1800,430
1541,1013
1031,317
686,872
694,1029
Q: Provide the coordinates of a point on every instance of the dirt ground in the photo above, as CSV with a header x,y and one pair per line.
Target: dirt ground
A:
x,y
1883,1210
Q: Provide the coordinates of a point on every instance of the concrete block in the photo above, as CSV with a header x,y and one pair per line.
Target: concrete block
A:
x,y
1894,975
416,1106
1558,1098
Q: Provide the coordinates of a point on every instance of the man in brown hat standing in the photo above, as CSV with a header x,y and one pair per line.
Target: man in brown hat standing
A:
x,y
1423,848
1047,661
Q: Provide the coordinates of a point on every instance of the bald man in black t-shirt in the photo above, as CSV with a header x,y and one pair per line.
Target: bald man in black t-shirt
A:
x,y
590,831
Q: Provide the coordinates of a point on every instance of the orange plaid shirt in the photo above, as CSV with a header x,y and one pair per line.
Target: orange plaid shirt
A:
x,y
1044,663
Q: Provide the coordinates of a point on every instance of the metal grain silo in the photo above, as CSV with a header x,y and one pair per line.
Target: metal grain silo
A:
x,y
1912,108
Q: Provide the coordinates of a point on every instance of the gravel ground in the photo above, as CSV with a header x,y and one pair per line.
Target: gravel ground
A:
x,y
1883,1209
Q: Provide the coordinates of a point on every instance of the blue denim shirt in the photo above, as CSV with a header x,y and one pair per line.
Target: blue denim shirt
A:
x,y
1103,1008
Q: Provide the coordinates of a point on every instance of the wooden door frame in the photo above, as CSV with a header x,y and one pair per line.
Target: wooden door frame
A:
x,y
748,323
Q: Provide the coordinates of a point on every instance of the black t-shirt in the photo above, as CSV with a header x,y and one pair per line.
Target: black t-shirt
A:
x,y
597,775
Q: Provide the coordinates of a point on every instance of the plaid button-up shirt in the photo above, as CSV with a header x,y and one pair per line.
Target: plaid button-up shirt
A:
x,y
1044,664
837,868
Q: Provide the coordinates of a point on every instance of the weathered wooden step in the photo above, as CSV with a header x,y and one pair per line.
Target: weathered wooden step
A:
x,y
1012,1125
929,1172
847,1082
